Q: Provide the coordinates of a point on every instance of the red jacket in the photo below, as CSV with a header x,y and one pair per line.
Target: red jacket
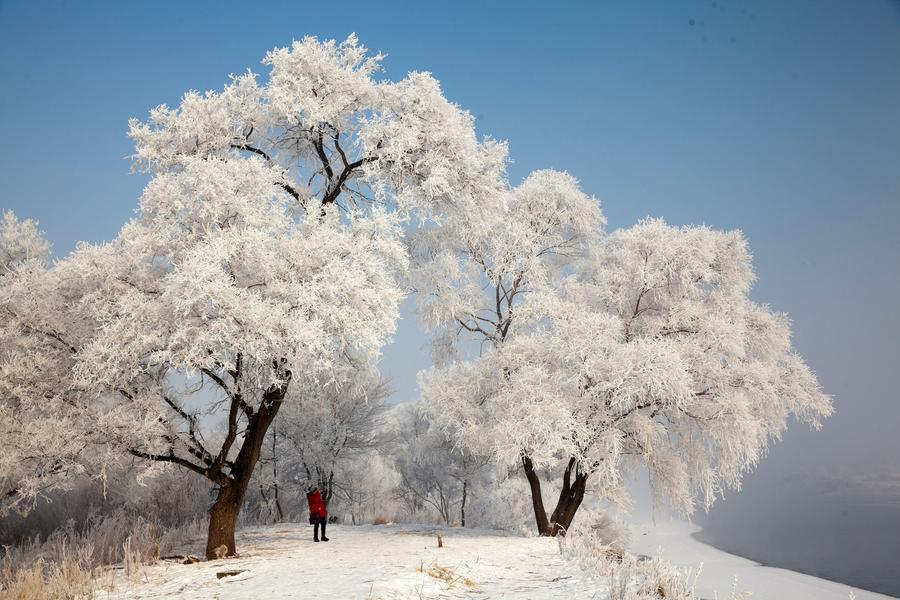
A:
x,y
316,506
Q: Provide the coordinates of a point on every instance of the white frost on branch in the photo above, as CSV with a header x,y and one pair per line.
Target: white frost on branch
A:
x,y
329,129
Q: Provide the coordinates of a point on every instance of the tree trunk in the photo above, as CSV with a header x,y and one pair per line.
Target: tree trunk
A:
x,y
537,501
570,498
222,520
265,506
462,506
275,472
224,512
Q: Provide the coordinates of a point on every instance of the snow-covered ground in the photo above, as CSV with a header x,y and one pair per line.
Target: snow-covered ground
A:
x,y
374,562
397,562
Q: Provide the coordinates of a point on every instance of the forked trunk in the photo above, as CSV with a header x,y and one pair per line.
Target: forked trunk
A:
x,y
570,498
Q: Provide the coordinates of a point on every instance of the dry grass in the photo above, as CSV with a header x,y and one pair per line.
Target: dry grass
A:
x,y
72,565
447,576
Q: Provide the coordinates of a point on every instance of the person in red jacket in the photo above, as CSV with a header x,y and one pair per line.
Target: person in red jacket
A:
x,y
318,515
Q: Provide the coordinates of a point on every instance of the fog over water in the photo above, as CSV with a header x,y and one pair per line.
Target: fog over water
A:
x,y
844,529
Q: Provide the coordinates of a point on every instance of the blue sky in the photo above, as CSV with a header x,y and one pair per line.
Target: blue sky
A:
x,y
782,119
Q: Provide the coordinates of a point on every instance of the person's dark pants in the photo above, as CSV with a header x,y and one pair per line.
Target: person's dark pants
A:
x,y
318,524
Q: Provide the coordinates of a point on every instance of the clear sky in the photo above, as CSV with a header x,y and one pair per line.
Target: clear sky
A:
x,y
779,118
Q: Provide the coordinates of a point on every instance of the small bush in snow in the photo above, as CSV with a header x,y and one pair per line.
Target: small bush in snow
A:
x,y
600,552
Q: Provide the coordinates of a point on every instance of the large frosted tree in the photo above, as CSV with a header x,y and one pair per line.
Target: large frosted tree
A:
x,y
478,277
647,353
265,254
208,305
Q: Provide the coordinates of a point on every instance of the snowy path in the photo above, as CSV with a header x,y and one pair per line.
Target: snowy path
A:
x,y
373,563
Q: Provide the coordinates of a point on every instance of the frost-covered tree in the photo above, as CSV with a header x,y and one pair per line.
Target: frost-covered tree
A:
x,y
34,457
22,246
475,268
433,473
207,306
326,429
366,483
650,353
262,258
331,133
477,271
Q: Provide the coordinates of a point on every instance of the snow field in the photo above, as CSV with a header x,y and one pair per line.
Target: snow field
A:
x,y
373,563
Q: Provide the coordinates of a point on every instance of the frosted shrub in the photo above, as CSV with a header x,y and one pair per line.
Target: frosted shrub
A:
x,y
599,551
637,579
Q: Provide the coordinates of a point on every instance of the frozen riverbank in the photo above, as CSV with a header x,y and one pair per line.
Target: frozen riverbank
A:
x,y
679,545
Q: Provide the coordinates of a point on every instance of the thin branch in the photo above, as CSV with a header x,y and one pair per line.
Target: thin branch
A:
x,y
170,458
199,450
218,380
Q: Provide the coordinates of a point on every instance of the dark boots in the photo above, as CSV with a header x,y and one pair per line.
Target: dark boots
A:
x,y
316,531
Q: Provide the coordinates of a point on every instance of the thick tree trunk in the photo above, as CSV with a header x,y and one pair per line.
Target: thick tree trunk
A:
x,y
222,520
570,498
224,512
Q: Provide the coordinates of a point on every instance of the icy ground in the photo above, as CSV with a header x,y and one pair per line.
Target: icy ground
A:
x,y
403,562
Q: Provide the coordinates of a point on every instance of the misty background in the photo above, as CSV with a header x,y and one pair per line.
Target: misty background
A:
x,y
781,119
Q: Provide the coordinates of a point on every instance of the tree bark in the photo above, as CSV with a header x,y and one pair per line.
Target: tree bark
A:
x,y
222,520
224,512
537,501
462,506
570,498
567,512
